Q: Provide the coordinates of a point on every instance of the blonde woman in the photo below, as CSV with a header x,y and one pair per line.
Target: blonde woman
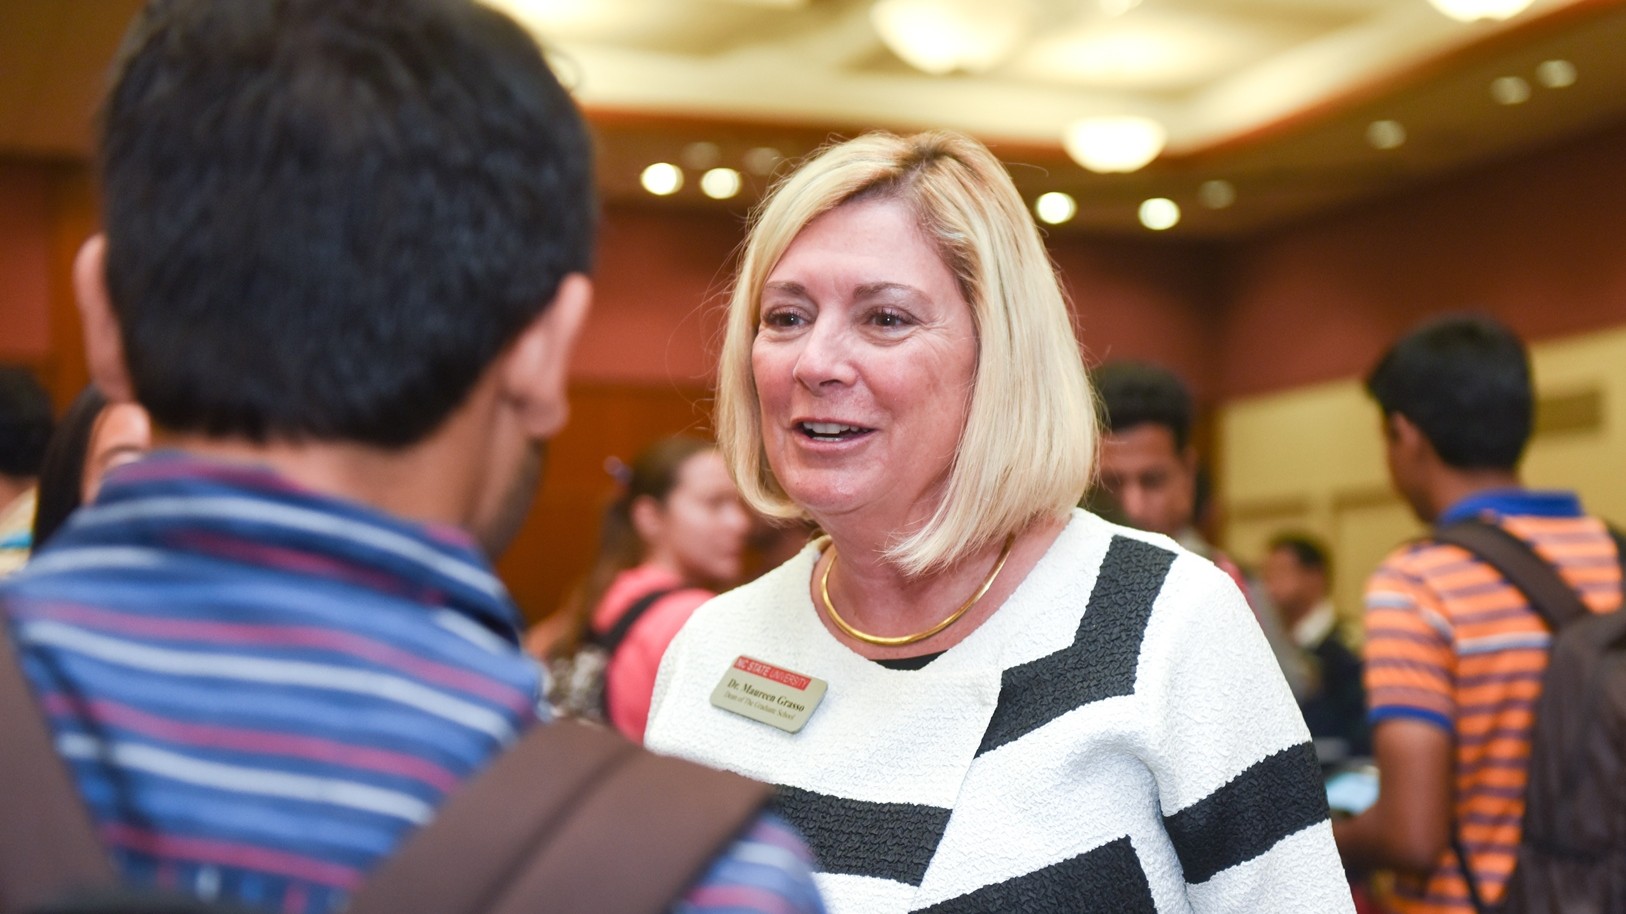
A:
x,y
974,696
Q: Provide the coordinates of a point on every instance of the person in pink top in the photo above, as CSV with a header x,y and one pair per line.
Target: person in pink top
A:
x,y
673,536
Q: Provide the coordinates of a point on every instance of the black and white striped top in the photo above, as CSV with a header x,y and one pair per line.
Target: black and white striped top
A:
x,y
1116,738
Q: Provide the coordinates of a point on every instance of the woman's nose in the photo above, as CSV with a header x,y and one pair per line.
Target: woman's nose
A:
x,y
826,356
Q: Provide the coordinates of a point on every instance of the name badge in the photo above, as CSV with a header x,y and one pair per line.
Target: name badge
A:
x,y
768,694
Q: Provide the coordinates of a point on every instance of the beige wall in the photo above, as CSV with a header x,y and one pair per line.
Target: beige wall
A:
x,y
1311,458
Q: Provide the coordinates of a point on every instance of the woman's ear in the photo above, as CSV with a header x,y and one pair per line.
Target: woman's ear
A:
x,y
104,344
648,519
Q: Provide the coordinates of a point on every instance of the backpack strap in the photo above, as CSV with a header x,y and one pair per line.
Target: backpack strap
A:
x,y
573,818
47,845
611,640
1553,599
1550,596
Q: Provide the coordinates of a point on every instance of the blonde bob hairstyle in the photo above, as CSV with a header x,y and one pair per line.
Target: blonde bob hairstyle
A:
x,y
1028,447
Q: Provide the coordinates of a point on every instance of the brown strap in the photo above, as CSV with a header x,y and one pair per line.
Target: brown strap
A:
x,y
573,818
47,845
1539,581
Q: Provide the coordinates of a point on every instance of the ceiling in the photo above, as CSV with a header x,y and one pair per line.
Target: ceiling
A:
x,y
1273,97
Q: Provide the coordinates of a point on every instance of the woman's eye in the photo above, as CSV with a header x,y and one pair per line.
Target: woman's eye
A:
x,y
888,319
782,319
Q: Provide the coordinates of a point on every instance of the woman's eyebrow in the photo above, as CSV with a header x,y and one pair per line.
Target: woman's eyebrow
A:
x,y
786,287
871,289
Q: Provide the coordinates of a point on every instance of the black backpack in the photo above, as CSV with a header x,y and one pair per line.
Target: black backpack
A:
x,y
576,683
1572,853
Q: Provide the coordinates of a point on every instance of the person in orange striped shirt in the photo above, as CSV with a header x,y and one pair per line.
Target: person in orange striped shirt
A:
x,y
1454,653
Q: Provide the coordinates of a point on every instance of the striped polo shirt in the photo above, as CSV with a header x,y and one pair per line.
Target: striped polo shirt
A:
x,y
262,690
1450,642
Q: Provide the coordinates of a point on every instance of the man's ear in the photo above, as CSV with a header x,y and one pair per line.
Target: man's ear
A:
x,y
104,346
1406,436
538,364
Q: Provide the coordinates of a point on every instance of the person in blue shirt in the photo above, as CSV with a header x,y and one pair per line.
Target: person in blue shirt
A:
x,y
343,264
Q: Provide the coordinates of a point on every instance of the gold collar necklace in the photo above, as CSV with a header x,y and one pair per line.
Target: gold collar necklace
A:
x,y
883,641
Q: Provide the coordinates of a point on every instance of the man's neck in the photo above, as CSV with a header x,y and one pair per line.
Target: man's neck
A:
x,y
413,483
1453,485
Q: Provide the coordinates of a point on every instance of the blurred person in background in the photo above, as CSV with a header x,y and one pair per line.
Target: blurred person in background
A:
x,y
1455,653
25,428
1297,575
1150,470
93,437
975,695
674,535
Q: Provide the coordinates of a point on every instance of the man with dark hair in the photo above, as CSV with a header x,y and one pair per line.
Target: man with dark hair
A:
x,y
343,268
25,428
1149,471
1148,463
1297,575
1455,654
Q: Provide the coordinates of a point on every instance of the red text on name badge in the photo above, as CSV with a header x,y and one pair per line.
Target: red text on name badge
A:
x,y
769,671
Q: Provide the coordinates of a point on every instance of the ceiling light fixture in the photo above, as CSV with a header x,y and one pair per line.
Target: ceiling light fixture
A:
x,y
942,36
1055,207
1159,213
662,179
1510,90
720,183
1386,134
1556,74
1474,10
1114,144
762,160
1217,194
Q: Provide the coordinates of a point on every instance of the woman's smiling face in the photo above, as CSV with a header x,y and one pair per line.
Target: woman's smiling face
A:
x,y
864,359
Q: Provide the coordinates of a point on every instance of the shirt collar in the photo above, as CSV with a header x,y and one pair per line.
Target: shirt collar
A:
x,y
1316,625
179,501
1513,502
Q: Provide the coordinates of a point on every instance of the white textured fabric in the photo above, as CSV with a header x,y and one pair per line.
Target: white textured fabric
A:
x,y
1144,755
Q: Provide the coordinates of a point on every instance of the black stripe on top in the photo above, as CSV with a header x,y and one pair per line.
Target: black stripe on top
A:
x,y
1106,880
889,840
1274,798
1101,661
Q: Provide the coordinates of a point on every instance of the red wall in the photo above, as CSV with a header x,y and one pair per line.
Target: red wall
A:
x,y
25,263
1539,242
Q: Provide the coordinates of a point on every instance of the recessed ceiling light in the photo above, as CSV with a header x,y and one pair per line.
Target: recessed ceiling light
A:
x,y
662,179
1386,134
1055,207
1556,74
762,160
1510,90
1217,194
720,183
1159,213
701,156
1118,143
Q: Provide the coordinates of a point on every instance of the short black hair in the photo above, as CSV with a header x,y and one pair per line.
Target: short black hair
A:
x,y
25,422
325,219
1141,393
1464,381
1308,551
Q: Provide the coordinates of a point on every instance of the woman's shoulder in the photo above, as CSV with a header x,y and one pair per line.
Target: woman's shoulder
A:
x,y
1099,542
